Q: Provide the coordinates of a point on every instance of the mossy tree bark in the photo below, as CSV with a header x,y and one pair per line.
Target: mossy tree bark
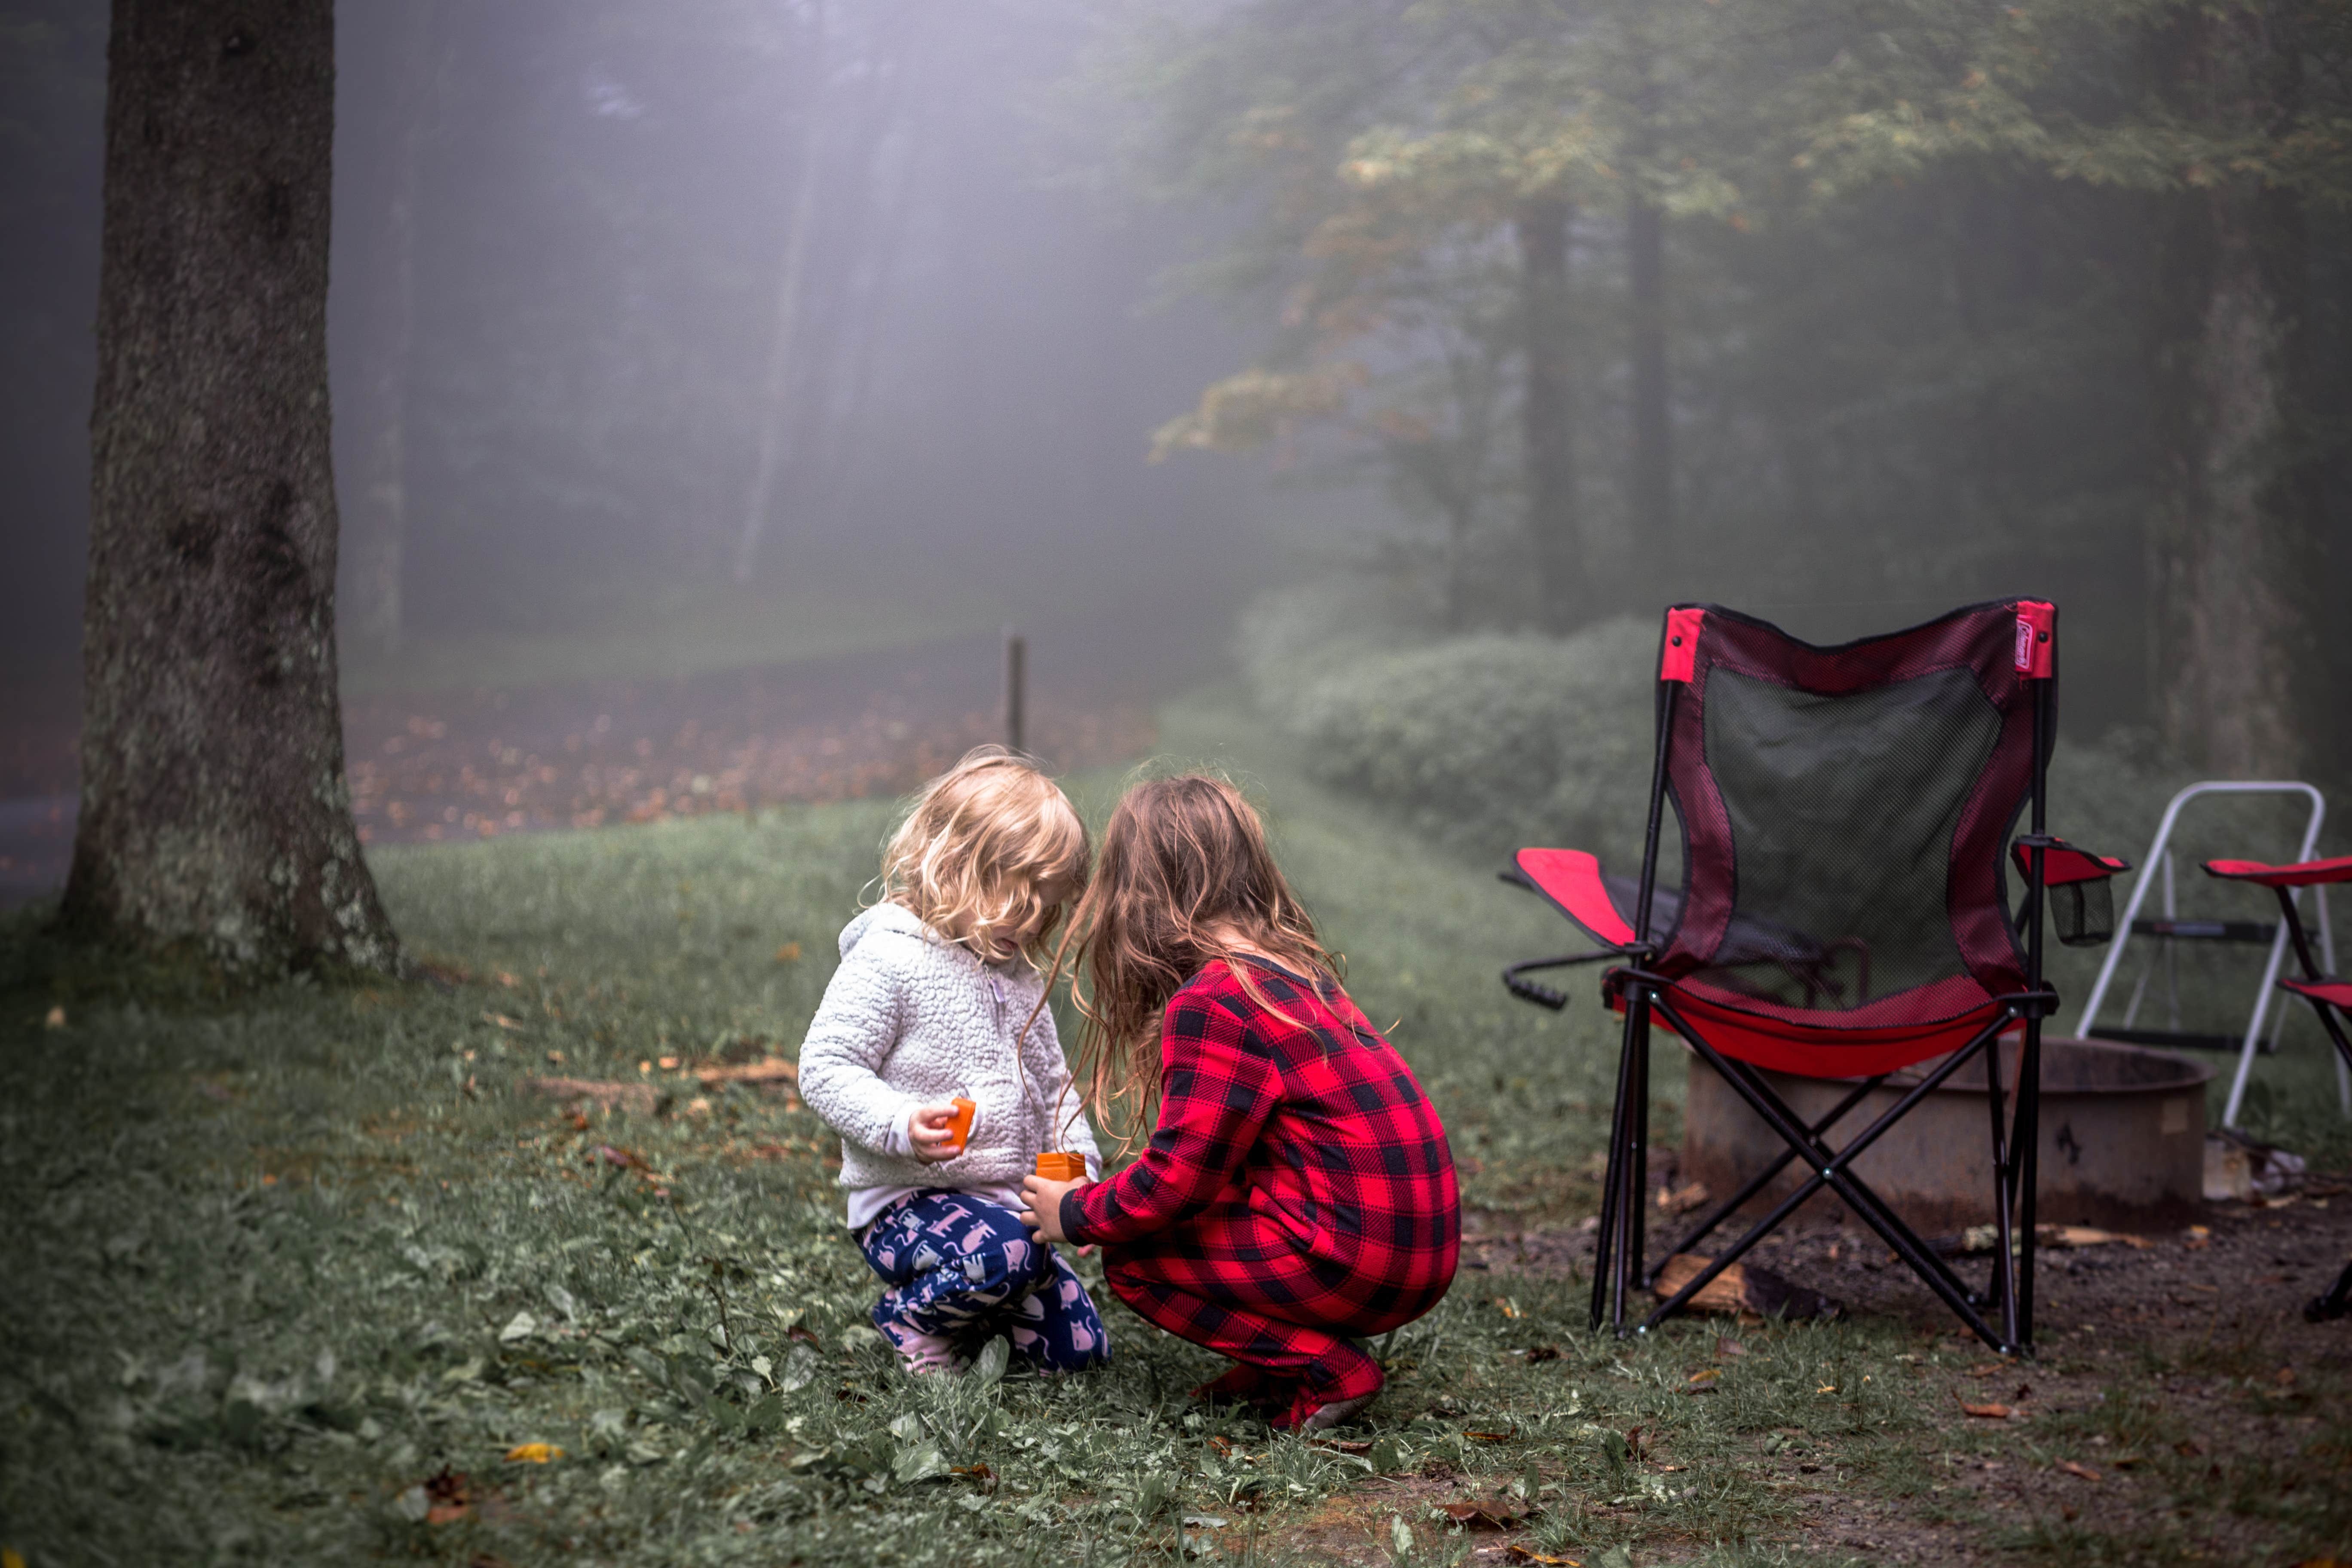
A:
x,y
215,818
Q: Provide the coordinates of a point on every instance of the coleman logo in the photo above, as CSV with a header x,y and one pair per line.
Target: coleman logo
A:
x,y
2024,644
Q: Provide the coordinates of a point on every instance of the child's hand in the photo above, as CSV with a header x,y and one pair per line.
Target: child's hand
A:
x,y
1041,1206
928,1131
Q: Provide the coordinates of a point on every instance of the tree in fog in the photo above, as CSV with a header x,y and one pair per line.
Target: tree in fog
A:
x,y
1868,303
214,814
2230,122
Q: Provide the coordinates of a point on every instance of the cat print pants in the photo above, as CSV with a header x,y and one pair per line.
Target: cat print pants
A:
x,y
965,1269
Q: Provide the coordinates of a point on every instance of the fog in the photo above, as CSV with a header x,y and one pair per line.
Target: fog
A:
x,y
822,338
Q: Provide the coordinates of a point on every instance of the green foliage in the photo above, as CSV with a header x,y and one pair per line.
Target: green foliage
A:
x,y
1485,742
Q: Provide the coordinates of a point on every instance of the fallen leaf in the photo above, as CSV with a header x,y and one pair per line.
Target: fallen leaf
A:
x,y
1490,1436
1486,1513
1702,1381
56,1019
1224,1446
1681,1199
2286,1376
669,1064
534,1453
1343,1445
502,1021
1989,1412
1515,1552
1728,1347
448,1495
789,954
2072,1468
1507,1306
1543,1352
980,1473
555,1057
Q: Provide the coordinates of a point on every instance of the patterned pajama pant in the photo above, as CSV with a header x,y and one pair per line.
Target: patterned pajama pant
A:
x,y
1236,1282
964,1269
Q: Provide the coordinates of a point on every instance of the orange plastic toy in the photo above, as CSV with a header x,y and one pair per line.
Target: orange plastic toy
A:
x,y
1057,1165
959,1124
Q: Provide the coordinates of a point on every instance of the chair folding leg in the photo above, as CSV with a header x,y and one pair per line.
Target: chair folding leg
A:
x,y
1864,1199
2025,1154
1637,1195
1832,1170
2335,1303
1607,1287
2338,1301
2001,1286
1763,1178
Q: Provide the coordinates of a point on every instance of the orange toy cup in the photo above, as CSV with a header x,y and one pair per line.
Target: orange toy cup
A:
x,y
1056,1165
959,1124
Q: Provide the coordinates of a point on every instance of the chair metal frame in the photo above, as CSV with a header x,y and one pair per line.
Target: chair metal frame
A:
x,y
1644,996
2172,929
2330,999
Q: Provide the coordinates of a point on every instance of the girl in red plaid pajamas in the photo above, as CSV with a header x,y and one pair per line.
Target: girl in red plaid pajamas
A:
x,y
1297,1190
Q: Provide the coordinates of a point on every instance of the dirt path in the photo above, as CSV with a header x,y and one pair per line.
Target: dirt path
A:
x,y
2178,1403
473,764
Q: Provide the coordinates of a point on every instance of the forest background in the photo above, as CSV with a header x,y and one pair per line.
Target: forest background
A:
x,y
1532,311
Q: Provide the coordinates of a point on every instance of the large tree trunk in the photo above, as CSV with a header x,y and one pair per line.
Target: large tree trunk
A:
x,y
2233,546
377,519
214,814
1563,564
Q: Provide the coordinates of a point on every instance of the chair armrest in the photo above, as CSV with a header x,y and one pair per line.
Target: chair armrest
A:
x,y
2063,863
2303,874
1570,879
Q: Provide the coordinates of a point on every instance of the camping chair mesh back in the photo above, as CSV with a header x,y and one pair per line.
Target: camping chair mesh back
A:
x,y
1843,912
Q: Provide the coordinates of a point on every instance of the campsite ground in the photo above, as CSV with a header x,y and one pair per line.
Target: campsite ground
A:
x,y
307,1275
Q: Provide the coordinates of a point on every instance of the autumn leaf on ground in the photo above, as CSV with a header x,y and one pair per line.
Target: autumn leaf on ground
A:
x,y
1515,1552
2084,1471
1484,1514
1989,1412
789,954
534,1453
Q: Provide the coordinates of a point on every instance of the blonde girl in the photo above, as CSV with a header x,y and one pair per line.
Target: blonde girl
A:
x,y
939,997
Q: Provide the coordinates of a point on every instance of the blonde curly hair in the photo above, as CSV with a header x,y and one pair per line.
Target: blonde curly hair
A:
x,y
989,851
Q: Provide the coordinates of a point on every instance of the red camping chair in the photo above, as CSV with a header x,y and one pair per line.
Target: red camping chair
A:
x,y
1844,813
2329,997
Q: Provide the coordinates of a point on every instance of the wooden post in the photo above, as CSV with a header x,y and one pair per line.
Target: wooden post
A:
x,y
1016,681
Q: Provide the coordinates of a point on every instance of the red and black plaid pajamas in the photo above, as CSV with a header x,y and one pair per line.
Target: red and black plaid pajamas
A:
x,y
1298,1188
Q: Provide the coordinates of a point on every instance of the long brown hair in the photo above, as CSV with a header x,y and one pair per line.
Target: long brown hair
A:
x,y
1183,877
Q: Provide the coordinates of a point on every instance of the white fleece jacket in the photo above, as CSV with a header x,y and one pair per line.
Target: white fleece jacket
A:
x,y
912,1020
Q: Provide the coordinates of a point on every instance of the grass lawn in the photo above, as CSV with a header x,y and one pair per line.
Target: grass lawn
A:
x,y
304,1280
